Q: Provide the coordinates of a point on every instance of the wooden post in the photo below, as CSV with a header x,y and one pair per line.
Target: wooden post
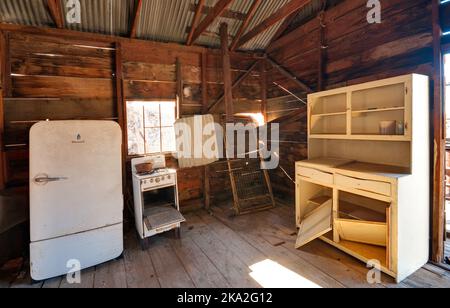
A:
x,y
5,65
205,82
121,110
227,80
206,181
180,88
322,52
263,78
2,152
4,87
438,210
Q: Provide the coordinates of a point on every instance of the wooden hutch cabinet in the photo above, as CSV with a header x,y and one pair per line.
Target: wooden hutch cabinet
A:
x,y
365,187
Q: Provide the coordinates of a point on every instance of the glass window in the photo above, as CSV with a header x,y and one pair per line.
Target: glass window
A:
x,y
151,127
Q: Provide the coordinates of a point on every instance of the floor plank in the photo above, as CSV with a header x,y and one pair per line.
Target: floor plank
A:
x,y
86,280
24,281
235,271
218,251
140,272
202,271
110,275
54,283
278,254
170,271
343,267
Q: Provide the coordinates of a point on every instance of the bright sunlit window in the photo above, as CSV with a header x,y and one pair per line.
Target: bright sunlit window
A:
x,y
151,127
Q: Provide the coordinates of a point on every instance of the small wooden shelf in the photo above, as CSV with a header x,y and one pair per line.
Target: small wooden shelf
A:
x,y
334,114
359,112
374,137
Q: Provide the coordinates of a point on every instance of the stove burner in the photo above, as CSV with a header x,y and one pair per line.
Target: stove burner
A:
x,y
155,171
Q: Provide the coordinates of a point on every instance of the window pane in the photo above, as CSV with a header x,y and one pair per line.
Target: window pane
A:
x,y
135,129
167,113
168,139
151,114
153,139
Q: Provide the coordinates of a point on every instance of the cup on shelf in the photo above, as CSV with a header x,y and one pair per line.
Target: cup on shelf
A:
x,y
400,128
388,128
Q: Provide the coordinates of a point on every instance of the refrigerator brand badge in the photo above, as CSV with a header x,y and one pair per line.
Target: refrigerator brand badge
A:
x,y
79,139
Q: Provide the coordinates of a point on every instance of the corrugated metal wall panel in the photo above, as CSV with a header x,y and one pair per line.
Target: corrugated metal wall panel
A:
x,y
25,12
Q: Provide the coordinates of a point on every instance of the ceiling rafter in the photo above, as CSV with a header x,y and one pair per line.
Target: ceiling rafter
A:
x,y
54,7
287,10
136,18
198,14
231,14
218,9
251,13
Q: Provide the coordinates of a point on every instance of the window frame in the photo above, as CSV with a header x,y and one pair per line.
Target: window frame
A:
x,y
160,127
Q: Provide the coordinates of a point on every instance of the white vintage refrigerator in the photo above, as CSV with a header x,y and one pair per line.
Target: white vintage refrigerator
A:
x,y
76,199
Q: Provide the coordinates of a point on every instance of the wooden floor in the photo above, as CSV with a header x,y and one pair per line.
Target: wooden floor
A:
x,y
219,251
447,248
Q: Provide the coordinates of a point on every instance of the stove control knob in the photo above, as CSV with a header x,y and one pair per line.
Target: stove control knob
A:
x,y
163,178
158,180
151,181
169,177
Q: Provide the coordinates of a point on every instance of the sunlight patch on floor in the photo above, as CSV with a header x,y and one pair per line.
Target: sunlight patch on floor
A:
x,y
270,274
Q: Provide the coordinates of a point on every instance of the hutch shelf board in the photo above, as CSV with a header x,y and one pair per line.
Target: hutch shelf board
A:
x,y
363,189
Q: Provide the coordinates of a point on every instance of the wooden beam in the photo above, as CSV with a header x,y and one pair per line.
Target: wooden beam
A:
x,y
220,7
121,109
4,81
226,66
322,53
251,13
2,152
100,40
180,88
230,14
263,78
439,121
300,112
197,15
54,7
207,188
284,26
136,18
290,8
5,62
205,82
289,75
236,84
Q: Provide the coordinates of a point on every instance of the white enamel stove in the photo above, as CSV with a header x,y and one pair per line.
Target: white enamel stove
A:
x,y
156,203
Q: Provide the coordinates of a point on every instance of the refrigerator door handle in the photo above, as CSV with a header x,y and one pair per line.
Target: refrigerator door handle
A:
x,y
45,179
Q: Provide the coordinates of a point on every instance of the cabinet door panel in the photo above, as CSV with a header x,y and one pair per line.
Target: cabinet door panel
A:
x,y
317,224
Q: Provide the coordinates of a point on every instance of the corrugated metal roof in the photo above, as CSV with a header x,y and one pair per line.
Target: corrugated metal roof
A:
x,y
165,20
161,20
25,12
102,16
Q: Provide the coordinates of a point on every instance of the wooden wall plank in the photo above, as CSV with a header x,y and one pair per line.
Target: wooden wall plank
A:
x,y
61,87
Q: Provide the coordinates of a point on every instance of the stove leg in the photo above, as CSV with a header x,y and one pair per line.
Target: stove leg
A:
x,y
177,233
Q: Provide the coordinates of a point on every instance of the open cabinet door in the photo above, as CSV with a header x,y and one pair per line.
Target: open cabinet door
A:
x,y
316,224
